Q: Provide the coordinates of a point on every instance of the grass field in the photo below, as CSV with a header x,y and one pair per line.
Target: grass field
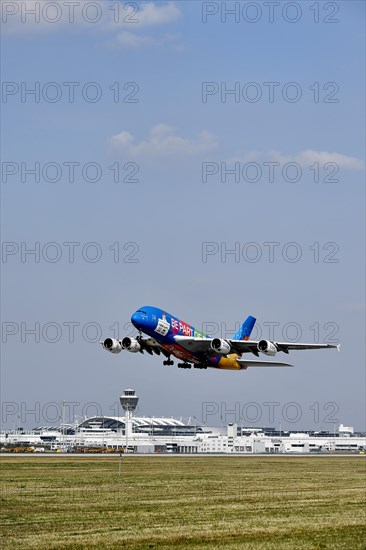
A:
x,y
183,502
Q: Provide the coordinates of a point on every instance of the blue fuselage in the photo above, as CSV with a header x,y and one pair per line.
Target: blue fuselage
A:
x,y
163,327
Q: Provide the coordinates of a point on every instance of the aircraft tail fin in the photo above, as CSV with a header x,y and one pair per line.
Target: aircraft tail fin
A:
x,y
245,329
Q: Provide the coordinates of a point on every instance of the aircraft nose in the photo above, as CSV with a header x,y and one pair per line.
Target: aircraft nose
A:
x,y
136,318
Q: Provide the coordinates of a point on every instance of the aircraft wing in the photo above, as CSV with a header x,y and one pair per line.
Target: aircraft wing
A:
x,y
295,345
195,344
242,346
254,363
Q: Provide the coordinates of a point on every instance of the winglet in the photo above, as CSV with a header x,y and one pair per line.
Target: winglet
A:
x,y
339,347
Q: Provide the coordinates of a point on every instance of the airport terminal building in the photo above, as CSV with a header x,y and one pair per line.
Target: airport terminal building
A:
x,y
131,434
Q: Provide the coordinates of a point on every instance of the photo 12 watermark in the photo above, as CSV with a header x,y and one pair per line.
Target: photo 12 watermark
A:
x,y
269,171
270,12
270,92
71,252
71,13
319,331
271,252
35,92
62,331
14,414
250,413
69,171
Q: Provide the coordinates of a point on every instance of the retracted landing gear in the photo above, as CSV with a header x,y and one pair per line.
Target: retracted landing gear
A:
x,y
168,362
184,366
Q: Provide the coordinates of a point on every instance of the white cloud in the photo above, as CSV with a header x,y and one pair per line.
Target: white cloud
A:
x,y
137,41
150,14
134,40
163,142
322,157
303,158
23,16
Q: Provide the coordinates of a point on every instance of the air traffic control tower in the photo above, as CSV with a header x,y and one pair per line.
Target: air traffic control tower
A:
x,y
129,401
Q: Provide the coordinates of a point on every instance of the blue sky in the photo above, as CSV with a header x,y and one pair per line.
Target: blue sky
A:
x,y
170,213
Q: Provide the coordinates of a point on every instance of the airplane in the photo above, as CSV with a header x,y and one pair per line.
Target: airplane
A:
x,y
166,335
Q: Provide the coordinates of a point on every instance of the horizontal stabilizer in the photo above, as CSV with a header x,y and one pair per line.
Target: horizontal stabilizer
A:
x,y
253,363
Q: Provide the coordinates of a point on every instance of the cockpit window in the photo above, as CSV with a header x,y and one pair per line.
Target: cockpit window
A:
x,y
140,311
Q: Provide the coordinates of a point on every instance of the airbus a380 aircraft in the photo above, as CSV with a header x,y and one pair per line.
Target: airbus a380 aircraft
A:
x,y
167,335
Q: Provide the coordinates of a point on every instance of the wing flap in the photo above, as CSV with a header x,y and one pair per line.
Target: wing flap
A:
x,y
194,344
151,346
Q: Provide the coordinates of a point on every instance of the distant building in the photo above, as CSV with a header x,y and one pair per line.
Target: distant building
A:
x,y
159,434
344,430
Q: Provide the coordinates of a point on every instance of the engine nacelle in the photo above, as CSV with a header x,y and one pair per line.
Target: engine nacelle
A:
x,y
221,346
112,345
267,347
131,344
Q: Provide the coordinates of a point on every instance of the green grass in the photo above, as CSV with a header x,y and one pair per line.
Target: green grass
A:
x,y
183,502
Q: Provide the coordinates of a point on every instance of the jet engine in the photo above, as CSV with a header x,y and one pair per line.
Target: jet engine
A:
x,y
266,347
131,344
112,345
221,346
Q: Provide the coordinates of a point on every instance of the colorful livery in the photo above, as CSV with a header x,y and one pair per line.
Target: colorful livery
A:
x,y
164,334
